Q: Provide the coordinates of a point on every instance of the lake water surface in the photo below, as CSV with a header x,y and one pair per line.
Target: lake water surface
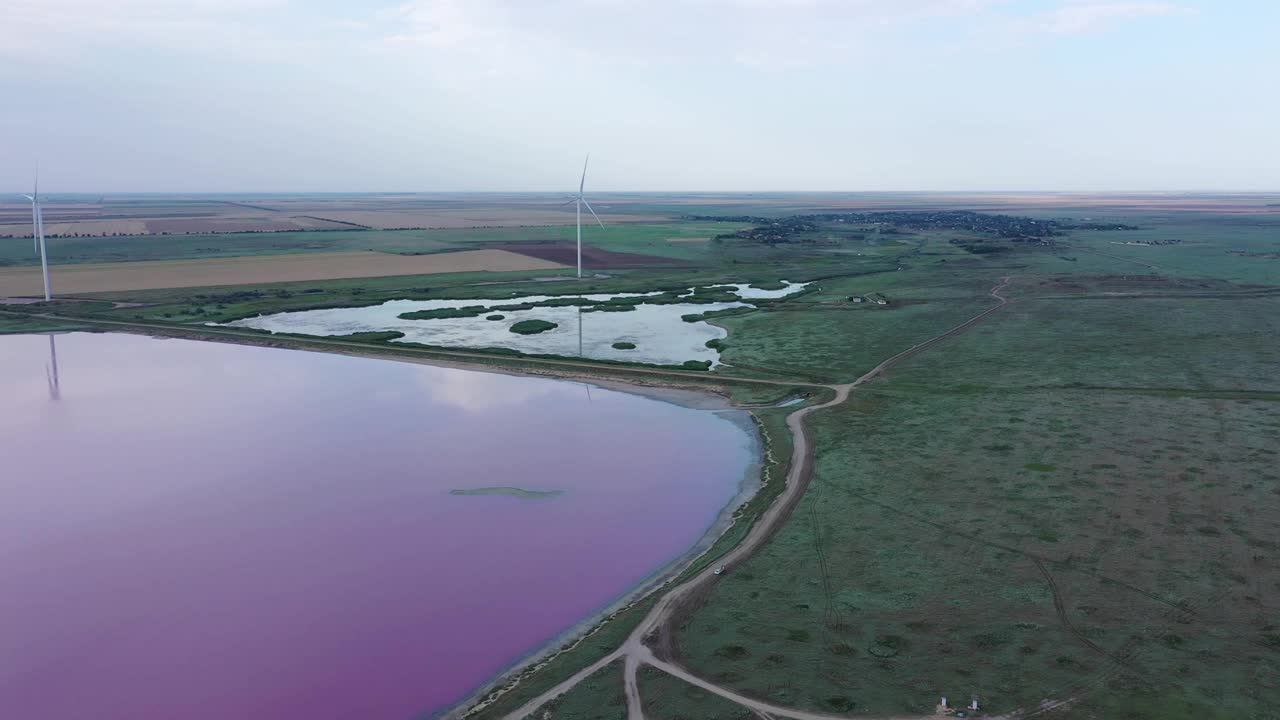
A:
x,y
659,334
199,531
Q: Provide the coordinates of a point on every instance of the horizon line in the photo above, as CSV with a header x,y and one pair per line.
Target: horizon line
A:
x,y
652,192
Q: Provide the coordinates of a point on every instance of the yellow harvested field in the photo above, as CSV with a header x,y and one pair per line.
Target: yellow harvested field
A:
x,y
69,280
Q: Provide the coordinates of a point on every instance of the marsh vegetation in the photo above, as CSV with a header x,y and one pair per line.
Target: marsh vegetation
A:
x,y
532,327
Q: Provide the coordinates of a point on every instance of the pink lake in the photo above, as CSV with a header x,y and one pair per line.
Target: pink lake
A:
x,y
198,531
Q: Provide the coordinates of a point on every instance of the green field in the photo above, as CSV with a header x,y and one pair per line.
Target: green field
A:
x,y
919,562
642,238
1076,498
599,697
669,698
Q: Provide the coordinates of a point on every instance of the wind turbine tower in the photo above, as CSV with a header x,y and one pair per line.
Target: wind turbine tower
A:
x,y
37,234
582,200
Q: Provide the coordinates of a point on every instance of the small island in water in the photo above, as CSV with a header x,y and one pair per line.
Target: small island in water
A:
x,y
509,491
532,327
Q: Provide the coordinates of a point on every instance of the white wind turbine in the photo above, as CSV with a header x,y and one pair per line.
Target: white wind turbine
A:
x,y
37,234
582,200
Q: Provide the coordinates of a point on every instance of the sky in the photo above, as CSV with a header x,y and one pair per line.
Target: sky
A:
x,y
697,95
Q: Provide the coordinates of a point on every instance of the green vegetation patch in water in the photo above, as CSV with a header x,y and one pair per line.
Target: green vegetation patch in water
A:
x,y
699,317
532,327
516,492
440,313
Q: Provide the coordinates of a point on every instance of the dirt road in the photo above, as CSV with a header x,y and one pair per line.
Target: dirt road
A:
x,y
658,626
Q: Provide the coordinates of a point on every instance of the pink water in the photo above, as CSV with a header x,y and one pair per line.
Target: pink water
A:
x,y
194,530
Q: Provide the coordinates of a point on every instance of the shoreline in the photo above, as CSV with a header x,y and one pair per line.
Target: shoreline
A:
x,y
704,398
671,390
570,638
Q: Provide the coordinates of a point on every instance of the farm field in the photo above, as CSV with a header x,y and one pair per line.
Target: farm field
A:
x,y
648,239
1073,499
109,277
202,214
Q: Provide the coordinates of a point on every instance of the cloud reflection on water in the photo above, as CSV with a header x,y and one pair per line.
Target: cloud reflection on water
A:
x,y
481,391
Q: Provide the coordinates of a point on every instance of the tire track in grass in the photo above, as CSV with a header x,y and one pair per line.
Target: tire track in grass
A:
x,y
1061,609
830,617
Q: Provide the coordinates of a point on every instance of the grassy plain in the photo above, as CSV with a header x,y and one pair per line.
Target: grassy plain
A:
x,y
669,698
17,324
926,557
599,697
1076,498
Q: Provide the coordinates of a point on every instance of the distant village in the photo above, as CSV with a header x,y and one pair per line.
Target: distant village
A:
x,y
794,228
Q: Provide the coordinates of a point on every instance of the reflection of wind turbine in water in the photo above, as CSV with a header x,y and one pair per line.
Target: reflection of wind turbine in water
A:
x,y
585,385
51,371
37,232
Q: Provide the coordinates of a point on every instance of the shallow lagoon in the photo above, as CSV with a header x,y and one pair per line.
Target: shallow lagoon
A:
x,y
200,530
660,335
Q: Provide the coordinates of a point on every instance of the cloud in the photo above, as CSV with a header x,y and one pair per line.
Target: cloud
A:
x,y
475,38
510,35
1087,16
67,29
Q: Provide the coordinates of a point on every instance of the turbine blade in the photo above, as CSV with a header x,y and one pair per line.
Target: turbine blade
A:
x,y
593,213
583,183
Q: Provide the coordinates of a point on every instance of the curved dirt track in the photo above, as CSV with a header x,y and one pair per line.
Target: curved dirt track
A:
x,y
658,624
635,652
